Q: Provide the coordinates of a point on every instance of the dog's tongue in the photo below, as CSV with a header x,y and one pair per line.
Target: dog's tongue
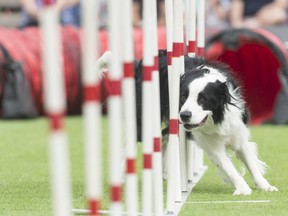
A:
x,y
190,126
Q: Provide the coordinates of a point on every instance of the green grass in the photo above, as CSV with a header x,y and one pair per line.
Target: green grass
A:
x,y
24,173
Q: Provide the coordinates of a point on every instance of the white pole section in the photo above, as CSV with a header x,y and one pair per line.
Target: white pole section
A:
x,y
115,108
157,155
190,157
129,100
183,160
55,107
91,106
147,109
201,28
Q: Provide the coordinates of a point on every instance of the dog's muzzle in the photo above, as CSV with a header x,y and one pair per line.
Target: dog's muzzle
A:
x,y
185,118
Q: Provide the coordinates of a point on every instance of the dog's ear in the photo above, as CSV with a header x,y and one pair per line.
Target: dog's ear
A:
x,y
162,53
224,92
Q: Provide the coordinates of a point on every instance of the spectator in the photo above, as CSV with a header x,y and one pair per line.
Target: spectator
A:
x,y
217,13
258,13
70,12
137,8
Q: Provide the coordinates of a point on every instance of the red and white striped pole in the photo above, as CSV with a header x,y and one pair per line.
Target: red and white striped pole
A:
x,y
157,155
91,106
191,51
55,107
183,181
147,113
129,100
174,187
115,109
199,154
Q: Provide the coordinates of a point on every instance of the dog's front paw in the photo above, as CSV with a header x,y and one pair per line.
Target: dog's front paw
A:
x,y
244,190
268,188
272,188
265,186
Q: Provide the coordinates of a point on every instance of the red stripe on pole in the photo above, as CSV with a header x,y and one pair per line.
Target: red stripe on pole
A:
x,y
94,206
169,58
130,166
56,121
178,49
92,93
173,126
48,2
191,47
115,87
147,159
147,73
200,51
115,193
156,63
128,70
157,144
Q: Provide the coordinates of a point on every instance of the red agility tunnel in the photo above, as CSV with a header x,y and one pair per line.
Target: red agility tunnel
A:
x,y
258,59
24,46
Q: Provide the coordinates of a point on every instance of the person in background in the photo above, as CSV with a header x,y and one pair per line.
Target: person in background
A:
x,y
70,12
217,13
258,13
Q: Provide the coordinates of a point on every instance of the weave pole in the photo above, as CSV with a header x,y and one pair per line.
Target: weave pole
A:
x,y
198,152
174,187
169,46
129,102
179,34
91,107
147,113
115,109
157,155
55,107
191,51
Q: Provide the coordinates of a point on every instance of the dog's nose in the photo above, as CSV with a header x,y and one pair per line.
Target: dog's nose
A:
x,y
185,116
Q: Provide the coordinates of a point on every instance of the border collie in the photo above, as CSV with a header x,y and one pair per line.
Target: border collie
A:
x,y
213,112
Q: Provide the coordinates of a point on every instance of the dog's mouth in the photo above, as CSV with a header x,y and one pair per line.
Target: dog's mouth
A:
x,y
191,126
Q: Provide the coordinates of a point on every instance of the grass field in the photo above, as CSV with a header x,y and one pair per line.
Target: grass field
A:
x,y
25,186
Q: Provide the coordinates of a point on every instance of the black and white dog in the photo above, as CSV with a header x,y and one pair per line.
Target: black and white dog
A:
x,y
213,111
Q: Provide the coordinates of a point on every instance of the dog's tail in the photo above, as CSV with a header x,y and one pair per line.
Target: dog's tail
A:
x,y
262,166
103,62
253,154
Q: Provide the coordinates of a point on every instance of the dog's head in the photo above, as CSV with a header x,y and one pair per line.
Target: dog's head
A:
x,y
204,96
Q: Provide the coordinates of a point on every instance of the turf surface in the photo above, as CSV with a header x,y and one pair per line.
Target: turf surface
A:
x,y
25,187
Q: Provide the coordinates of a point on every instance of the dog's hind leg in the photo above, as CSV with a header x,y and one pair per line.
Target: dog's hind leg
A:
x,y
226,166
249,156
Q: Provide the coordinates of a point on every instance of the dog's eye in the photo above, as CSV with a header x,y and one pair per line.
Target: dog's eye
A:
x,y
201,98
183,98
